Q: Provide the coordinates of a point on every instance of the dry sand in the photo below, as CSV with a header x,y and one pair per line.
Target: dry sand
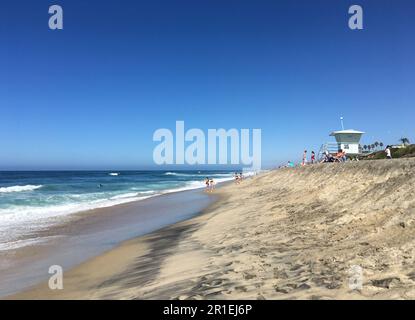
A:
x,y
286,234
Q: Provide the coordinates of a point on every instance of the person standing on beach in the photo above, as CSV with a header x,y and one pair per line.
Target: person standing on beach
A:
x,y
207,183
211,184
388,153
313,157
236,178
304,158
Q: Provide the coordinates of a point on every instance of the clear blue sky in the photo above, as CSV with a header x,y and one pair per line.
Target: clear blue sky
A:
x,y
91,96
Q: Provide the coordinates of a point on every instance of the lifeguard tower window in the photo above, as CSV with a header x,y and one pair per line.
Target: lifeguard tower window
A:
x,y
346,146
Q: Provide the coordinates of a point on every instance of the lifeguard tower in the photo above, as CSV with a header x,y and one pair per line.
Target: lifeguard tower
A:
x,y
347,140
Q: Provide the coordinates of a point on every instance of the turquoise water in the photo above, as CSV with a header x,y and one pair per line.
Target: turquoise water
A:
x,y
33,200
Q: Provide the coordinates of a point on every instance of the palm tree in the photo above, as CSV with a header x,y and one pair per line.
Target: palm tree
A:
x,y
381,144
376,144
405,141
372,146
368,147
365,147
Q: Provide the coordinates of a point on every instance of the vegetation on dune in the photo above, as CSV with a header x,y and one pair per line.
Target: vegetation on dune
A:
x,y
406,152
373,147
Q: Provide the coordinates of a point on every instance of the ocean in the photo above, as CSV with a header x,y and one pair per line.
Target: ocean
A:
x,y
33,200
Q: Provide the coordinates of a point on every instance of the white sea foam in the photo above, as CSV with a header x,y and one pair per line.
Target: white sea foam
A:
x,y
189,186
18,214
147,192
12,245
15,219
197,185
124,196
28,187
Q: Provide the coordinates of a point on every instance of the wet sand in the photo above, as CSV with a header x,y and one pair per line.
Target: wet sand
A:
x,y
286,234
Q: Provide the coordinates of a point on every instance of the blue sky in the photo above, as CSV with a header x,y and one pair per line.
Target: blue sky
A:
x,y
91,96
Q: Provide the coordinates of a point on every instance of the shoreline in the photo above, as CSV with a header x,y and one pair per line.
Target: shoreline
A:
x,y
150,251
293,233
117,224
59,218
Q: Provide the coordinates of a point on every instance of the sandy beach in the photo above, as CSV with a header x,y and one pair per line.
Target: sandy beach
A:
x,y
292,233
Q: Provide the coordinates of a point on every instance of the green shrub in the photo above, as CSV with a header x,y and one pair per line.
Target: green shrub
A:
x,y
408,151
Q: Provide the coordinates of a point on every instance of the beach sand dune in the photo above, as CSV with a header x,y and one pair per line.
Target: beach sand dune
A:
x,y
327,231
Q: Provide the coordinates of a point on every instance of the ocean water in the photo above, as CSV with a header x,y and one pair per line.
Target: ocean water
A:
x,y
30,201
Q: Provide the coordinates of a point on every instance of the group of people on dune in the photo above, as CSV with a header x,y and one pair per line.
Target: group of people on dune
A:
x,y
340,156
312,158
